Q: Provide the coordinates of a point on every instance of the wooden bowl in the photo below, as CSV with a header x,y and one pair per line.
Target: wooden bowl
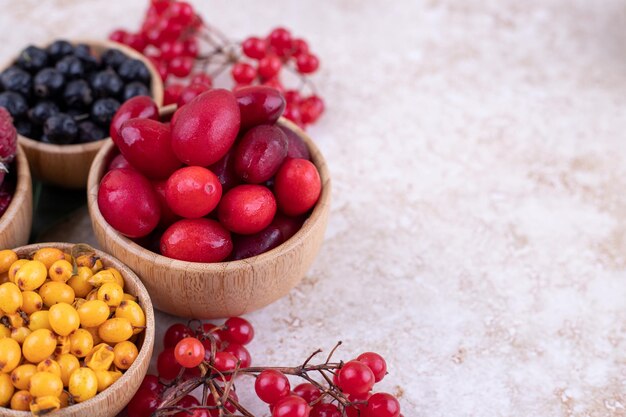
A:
x,y
212,290
111,401
17,220
68,165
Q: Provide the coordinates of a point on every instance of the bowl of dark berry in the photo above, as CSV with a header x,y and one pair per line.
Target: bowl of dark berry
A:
x,y
63,97
16,197
221,211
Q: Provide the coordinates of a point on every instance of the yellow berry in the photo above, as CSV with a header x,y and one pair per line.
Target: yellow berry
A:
x,y
125,354
4,331
39,320
31,302
61,271
130,297
93,295
45,383
118,277
88,260
97,266
115,330
100,358
15,320
93,313
15,266
31,275
20,334
39,345
7,257
21,401
111,293
63,345
80,282
83,384
20,376
134,313
68,363
10,355
6,389
106,379
81,343
50,365
94,334
48,256
53,292
63,319
45,405
102,277
11,298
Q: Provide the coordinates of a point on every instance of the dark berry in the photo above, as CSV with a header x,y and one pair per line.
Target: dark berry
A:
x,y
135,89
59,49
78,94
103,111
88,131
14,102
48,82
32,59
16,79
61,129
77,113
71,67
83,52
25,128
41,111
113,58
107,84
134,70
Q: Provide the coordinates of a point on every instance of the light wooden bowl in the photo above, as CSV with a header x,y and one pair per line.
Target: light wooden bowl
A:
x,y
68,165
205,290
111,401
17,220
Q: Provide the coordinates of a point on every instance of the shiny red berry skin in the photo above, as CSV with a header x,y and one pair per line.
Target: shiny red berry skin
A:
x,y
311,108
291,406
375,362
225,171
193,192
325,410
167,366
299,46
292,96
189,352
118,35
225,361
196,240
297,186
247,246
357,410
118,162
292,112
175,333
171,49
260,153
269,66
181,12
140,107
201,78
243,73
190,48
241,353
297,148
128,202
287,225
151,383
307,63
307,391
180,66
355,378
280,39
190,92
382,404
270,386
143,404
147,145
172,93
259,105
247,209
204,129
254,47
239,330
168,217
188,401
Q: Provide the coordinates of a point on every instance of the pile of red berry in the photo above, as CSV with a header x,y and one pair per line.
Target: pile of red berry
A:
x,y
189,54
221,181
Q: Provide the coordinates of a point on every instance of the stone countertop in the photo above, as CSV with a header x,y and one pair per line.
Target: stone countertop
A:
x,y
477,235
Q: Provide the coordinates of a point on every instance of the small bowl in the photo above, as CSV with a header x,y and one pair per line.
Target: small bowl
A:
x,y
17,220
111,401
224,289
68,165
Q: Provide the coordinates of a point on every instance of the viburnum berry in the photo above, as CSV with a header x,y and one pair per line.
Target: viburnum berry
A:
x,y
239,330
201,78
241,353
375,362
172,93
175,333
118,35
269,66
307,63
254,47
167,365
299,46
181,66
280,40
291,406
270,386
189,401
325,410
189,352
355,378
171,49
243,73
143,404
382,404
151,383
307,391
311,108
225,361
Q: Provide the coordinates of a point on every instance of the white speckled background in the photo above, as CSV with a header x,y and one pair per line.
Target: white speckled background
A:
x,y
478,152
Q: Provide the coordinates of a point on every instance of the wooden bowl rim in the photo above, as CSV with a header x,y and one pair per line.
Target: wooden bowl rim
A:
x,y
156,86
21,189
145,353
217,267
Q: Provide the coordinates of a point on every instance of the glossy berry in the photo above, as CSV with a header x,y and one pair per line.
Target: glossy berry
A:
x,y
307,63
228,406
58,49
254,47
71,67
225,171
241,353
14,102
247,209
212,330
193,192
143,404
260,153
136,108
134,89
292,112
269,66
48,83
297,186
175,333
243,73
17,80
311,109
375,362
270,386
167,365
307,391
172,93
190,48
247,246
32,59
355,378
239,330
90,132
83,52
382,404
189,352
225,361
103,110
190,92
118,162
8,137
168,217
297,147
196,240
134,70
181,66
189,401
201,78
358,409
259,105
171,49
39,113
128,202
291,406
77,94
325,410
107,84
113,58
280,39
60,128
299,46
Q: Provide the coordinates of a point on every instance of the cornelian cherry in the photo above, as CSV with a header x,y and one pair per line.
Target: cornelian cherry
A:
x,y
193,192
297,186
118,162
140,107
196,240
190,92
247,209
260,153
259,105
225,171
167,215
297,147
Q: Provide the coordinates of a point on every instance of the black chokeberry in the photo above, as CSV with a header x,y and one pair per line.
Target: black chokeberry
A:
x,y
83,52
25,128
135,89
134,70
32,59
61,128
103,110
59,49
16,79
42,111
71,67
77,94
48,82
107,84
14,102
88,131
113,58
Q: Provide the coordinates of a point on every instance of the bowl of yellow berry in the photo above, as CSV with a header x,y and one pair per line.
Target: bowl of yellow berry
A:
x,y
76,331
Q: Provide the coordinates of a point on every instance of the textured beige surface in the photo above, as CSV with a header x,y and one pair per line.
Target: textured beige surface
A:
x,y
477,237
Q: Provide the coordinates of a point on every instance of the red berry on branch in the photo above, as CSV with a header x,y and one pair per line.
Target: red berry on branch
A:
x,y
292,112
167,365
241,353
325,410
239,330
190,92
375,362
189,352
254,47
299,46
151,383
172,93
355,378
188,401
143,404
271,385
171,49
225,361
243,73
159,6
291,406
118,35
311,109
135,41
201,78
190,48
307,63
181,12
382,404
181,66
292,96
175,333
269,66
280,39
307,391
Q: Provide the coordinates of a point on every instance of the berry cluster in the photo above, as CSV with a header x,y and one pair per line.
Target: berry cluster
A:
x,y
8,148
65,94
213,358
182,46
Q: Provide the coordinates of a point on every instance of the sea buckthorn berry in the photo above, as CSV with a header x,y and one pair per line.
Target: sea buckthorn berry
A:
x,y
15,266
63,345
247,209
39,320
130,297
7,257
134,313
93,313
21,401
11,298
83,384
355,378
54,292
270,386
115,330
100,358
125,354
80,282
15,320
106,379
48,256
6,389
81,343
118,277
20,376
31,302
193,192
94,334
297,186
10,355
89,260
111,293
103,277
45,383
45,405
375,362
20,334
93,295
31,275
4,331
63,319
39,345
60,271
50,365
68,364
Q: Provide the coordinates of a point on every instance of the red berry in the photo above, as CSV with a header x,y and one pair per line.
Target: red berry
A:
x,y
189,352
225,361
273,82
171,49
325,410
188,401
175,333
190,92
270,386
143,404
241,353
181,12
287,225
147,145
140,107
260,153
163,70
247,246
181,66
307,391
128,202
297,148
247,209
196,240
228,406
311,109
135,41
291,406
8,137
254,47
269,66
280,38
259,105
159,6
201,78
152,383
307,63
355,378
205,129
193,192
225,171
168,217
299,46
243,73
118,162
382,404
239,330
172,92
297,186
118,35
375,362
167,366
218,335
190,48
292,96
292,112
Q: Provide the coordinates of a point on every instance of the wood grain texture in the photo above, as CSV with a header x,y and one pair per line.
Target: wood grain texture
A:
x,y
16,222
224,289
111,401
68,165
